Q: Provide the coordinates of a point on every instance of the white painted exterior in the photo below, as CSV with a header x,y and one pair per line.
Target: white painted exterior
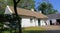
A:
x,y
25,22
8,11
43,23
48,22
53,21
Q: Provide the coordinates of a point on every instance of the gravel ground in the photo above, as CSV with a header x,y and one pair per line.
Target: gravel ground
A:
x,y
52,29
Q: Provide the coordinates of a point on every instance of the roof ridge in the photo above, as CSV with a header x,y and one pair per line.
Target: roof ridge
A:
x,y
22,11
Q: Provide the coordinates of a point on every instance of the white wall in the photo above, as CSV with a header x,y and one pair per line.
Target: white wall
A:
x,y
48,22
26,22
8,10
36,22
42,22
53,21
33,22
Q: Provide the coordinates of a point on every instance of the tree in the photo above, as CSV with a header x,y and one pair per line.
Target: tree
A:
x,y
46,8
52,11
2,7
43,7
17,16
27,4
9,2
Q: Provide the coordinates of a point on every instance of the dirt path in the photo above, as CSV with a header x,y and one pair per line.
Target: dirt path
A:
x,y
52,27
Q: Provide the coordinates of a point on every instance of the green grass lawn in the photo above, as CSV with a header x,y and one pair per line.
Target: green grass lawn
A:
x,y
6,32
31,30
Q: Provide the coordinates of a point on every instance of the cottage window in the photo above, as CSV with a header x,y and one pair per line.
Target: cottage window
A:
x,y
31,20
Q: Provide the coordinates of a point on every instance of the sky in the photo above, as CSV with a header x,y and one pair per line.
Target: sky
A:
x,y
55,4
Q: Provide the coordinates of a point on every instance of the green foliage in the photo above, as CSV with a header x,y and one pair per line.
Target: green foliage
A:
x,y
43,6
2,7
46,8
27,4
10,2
52,11
6,32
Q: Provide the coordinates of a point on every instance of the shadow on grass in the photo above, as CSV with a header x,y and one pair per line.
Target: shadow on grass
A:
x,y
32,31
38,31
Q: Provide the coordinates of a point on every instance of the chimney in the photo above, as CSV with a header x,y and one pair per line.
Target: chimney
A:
x,y
32,9
40,12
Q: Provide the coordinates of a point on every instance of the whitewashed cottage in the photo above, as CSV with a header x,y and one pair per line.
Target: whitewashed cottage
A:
x,y
29,17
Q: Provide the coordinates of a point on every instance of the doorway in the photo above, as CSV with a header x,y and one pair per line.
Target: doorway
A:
x,y
58,21
38,22
50,22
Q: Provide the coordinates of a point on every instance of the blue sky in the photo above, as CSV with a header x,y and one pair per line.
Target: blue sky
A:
x,y
55,4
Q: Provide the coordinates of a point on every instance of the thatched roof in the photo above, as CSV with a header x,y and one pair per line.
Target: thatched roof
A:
x,y
30,13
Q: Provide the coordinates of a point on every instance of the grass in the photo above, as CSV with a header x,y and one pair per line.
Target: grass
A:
x,y
6,32
34,28
31,30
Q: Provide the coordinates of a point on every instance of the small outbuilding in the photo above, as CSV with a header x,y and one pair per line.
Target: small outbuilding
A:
x,y
53,19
